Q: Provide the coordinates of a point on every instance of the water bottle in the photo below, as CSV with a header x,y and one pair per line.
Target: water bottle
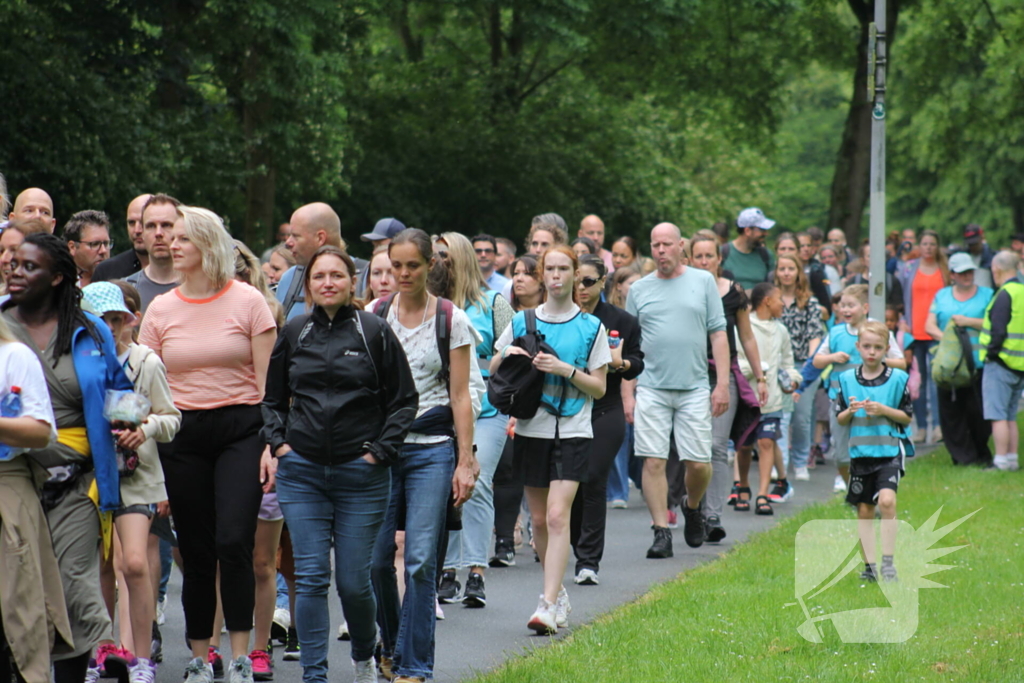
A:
x,y
614,340
10,406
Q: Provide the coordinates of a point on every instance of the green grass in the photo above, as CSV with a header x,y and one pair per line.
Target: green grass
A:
x,y
726,621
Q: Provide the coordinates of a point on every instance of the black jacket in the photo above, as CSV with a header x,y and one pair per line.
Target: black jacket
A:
x,y
629,331
328,400
118,267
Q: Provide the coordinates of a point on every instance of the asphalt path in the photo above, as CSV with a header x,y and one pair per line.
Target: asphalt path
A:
x,y
470,641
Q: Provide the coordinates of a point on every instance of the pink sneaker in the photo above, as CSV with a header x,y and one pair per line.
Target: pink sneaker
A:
x,y
262,666
113,661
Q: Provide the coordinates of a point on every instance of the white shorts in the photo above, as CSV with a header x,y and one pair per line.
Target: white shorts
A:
x,y
659,412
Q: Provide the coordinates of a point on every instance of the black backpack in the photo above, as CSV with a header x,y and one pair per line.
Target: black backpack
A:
x,y
515,389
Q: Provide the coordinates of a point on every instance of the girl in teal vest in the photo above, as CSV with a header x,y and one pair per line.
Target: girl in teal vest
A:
x,y
489,313
874,403
553,447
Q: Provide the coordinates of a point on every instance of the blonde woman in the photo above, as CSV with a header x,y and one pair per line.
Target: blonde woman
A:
x,y
489,314
217,378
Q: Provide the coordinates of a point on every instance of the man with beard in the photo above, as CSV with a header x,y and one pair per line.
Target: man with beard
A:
x,y
746,257
158,218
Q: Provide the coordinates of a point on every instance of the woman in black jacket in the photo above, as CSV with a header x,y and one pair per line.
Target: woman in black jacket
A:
x,y
340,399
589,508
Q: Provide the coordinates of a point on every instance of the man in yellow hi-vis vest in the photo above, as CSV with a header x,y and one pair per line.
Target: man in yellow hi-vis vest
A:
x,y
1002,342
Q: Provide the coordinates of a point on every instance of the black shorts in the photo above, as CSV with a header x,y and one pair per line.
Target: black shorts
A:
x,y
767,428
534,460
864,486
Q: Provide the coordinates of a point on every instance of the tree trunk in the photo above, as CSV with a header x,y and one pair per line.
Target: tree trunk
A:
x,y
261,176
853,164
850,192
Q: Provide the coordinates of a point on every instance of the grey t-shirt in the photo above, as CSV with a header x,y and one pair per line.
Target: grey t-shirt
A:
x,y
676,316
148,290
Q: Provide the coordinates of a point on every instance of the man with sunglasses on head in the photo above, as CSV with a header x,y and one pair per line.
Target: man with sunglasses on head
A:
x,y
88,238
486,248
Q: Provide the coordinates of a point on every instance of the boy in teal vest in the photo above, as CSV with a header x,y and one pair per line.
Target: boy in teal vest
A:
x,y
873,401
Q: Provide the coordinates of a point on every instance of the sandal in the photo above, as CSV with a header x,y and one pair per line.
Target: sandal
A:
x,y
734,494
763,508
742,505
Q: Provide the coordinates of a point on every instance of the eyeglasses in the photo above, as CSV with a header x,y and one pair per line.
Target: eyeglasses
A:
x,y
589,281
484,251
99,244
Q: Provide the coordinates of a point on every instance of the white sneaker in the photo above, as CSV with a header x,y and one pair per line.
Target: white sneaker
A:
x,y
343,633
1001,462
92,673
282,622
562,608
366,672
543,619
801,474
141,670
198,671
840,484
586,577
1012,462
240,670
438,612
160,607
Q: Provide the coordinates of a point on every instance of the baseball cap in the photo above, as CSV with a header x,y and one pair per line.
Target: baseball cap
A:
x,y
385,229
754,218
972,233
105,297
961,262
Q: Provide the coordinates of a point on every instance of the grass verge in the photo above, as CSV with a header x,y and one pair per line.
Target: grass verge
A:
x,y
727,620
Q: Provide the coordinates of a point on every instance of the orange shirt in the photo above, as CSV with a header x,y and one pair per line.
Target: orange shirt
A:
x,y
206,344
922,291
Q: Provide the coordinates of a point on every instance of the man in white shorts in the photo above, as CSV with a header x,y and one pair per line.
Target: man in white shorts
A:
x,y
679,309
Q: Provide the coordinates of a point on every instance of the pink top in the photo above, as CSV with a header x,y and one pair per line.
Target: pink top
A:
x,y
206,344
922,291
606,256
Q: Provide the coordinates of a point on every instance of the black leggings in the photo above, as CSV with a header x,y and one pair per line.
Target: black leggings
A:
x,y
508,495
213,483
8,669
590,507
71,670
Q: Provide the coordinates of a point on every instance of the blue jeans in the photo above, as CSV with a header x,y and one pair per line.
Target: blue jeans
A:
x,y
341,506
618,476
420,487
468,548
802,427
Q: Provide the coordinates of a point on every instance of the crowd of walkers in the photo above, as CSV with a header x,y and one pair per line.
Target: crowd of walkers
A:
x,y
311,414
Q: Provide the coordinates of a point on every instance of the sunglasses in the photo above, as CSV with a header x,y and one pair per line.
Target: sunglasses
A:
x,y
589,282
484,251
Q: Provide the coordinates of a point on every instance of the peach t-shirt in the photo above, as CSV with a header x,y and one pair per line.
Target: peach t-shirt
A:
x,y
922,292
206,344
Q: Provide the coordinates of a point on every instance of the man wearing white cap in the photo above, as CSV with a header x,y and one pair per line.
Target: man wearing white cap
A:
x,y
746,257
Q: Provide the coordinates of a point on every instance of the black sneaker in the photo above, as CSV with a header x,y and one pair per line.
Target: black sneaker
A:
x,y
869,573
157,646
474,594
693,526
448,588
291,646
662,546
713,529
504,554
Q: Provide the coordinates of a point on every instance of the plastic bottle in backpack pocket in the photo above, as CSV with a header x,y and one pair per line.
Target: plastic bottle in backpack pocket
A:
x,y
10,406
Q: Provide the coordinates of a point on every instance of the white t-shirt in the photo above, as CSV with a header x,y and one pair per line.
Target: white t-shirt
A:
x,y
420,344
578,426
19,367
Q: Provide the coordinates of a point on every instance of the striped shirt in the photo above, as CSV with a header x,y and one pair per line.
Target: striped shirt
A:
x,y
206,345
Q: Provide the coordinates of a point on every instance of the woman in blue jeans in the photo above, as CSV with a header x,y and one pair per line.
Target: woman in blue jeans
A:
x,y
436,463
489,313
340,399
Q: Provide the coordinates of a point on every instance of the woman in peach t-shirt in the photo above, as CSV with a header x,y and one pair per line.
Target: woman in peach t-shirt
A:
x,y
215,336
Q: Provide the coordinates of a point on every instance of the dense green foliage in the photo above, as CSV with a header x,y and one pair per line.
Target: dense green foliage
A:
x,y
477,114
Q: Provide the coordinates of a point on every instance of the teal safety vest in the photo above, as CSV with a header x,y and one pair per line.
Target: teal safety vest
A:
x,y
840,339
572,341
483,322
876,437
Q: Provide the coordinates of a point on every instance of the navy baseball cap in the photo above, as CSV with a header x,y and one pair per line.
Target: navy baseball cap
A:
x,y
385,229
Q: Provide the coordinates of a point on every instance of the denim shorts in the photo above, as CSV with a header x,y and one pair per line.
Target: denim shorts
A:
x,y
770,427
148,510
1000,389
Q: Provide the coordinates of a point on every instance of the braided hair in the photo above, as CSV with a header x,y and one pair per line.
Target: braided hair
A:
x,y
67,298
